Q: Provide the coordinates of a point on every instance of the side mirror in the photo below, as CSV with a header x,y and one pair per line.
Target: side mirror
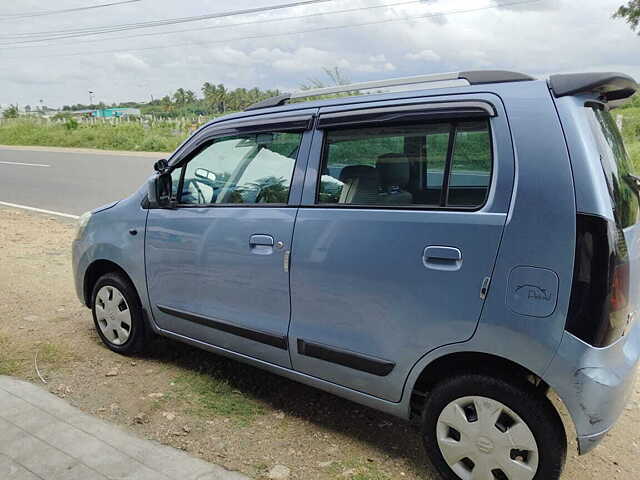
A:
x,y
159,191
161,165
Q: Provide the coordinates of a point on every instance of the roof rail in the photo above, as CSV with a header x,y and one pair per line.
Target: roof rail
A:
x,y
436,80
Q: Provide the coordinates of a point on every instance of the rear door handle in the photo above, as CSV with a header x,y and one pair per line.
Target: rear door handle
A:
x,y
261,244
442,258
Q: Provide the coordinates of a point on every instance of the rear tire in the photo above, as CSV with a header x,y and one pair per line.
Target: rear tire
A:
x,y
117,314
472,422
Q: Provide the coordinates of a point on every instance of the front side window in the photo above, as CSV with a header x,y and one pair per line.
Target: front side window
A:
x,y
445,164
241,169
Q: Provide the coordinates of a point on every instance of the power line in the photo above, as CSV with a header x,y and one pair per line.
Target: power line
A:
x,y
44,13
81,32
314,30
215,27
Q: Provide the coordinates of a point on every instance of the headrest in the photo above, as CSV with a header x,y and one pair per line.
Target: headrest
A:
x,y
358,171
393,169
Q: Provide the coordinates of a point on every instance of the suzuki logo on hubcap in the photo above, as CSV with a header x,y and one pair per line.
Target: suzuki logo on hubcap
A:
x,y
484,445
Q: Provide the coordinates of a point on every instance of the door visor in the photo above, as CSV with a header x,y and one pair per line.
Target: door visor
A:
x,y
409,113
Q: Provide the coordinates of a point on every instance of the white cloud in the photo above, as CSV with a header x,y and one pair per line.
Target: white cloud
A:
x,y
130,61
378,58
425,55
299,60
537,38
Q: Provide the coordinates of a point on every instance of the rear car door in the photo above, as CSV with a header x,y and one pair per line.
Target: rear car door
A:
x,y
396,238
217,264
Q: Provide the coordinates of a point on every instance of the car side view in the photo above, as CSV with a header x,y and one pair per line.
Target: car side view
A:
x,y
451,252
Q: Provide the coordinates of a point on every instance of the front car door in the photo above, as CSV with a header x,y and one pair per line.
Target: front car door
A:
x,y
402,213
217,263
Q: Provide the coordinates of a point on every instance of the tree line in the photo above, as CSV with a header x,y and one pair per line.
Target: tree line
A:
x,y
213,100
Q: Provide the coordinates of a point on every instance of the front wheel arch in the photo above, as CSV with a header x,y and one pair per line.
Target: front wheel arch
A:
x,y
96,270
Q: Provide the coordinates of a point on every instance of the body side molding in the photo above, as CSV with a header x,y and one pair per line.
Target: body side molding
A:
x,y
268,338
357,361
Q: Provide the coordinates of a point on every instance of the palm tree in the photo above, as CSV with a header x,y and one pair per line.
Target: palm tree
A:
x,y
180,96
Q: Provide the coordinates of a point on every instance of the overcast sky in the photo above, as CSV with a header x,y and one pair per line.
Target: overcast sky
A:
x,y
538,37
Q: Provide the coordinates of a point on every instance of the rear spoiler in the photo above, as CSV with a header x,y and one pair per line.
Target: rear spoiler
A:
x,y
609,85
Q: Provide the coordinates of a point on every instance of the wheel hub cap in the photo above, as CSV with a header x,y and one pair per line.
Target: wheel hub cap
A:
x,y
113,315
483,439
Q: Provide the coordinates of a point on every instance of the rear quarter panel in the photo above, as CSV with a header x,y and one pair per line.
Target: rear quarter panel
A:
x,y
539,232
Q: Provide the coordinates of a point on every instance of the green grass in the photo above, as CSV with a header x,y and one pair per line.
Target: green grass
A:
x,y
160,137
633,148
631,133
53,357
8,364
165,136
208,396
361,470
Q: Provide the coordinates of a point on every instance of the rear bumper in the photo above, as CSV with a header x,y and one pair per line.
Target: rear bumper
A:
x,y
595,383
588,443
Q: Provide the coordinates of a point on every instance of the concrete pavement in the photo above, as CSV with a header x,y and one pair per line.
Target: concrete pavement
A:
x,y
43,437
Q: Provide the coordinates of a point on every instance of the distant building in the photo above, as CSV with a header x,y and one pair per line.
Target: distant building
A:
x,y
42,112
109,113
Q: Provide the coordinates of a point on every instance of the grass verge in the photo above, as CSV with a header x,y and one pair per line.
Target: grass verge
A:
x,y
209,396
631,133
358,470
132,136
9,365
54,355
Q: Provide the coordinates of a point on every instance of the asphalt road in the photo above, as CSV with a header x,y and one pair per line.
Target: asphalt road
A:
x,y
70,181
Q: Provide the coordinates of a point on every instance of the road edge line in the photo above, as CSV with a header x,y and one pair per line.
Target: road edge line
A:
x,y
39,210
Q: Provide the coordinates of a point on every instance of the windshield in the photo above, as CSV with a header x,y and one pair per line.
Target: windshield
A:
x,y
619,171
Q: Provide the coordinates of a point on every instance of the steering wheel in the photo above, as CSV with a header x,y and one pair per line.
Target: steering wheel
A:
x,y
201,198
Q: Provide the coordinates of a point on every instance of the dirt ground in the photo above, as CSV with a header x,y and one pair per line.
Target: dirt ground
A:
x,y
222,411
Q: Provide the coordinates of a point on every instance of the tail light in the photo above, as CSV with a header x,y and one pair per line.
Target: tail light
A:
x,y
598,311
619,288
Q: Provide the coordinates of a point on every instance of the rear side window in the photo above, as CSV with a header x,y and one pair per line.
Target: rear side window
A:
x,y
616,165
435,165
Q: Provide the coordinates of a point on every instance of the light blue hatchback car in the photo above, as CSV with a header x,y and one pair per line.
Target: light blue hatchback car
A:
x,y
449,253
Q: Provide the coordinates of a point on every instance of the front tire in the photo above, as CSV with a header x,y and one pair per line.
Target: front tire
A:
x,y
477,427
117,314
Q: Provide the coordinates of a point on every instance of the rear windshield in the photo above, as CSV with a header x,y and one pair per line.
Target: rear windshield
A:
x,y
617,167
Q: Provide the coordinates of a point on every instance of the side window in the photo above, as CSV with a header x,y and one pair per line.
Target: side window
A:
x,y
247,169
408,165
471,166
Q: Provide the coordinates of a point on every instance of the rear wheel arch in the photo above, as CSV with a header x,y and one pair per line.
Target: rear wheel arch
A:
x,y
458,363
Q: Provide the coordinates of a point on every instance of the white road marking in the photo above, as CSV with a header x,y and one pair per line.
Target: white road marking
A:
x,y
26,164
39,210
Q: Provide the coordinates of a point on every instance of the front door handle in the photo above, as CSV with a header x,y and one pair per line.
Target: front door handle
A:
x,y
442,258
261,244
